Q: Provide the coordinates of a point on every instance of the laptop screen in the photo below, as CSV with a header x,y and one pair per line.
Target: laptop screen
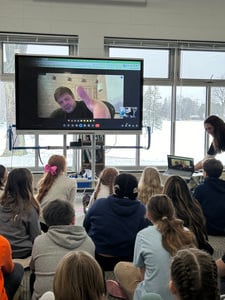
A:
x,y
180,163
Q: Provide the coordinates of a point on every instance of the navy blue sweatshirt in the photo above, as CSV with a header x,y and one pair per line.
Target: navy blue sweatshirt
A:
x,y
211,195
113,223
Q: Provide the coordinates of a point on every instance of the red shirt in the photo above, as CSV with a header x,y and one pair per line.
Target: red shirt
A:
x,y
6,264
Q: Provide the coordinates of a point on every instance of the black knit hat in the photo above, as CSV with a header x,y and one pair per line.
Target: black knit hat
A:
x,y
126,186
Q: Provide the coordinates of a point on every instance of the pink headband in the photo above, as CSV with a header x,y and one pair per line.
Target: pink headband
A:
x,y
50,169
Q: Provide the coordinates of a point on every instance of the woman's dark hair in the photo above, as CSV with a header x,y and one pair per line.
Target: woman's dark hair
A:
x,y
194,274
126,186
174,235
218,132
187,207
2,176
47,181
18,193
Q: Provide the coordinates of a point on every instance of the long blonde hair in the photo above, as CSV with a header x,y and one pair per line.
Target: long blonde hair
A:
x,y
78,276
149,184
187,207
174,235
48,179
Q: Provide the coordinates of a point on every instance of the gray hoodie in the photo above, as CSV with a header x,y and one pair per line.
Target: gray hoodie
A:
x,y
20,233
50,247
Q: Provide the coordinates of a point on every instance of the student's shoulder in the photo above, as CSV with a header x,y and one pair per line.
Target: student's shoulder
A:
x,y
147,231
4,242
65,180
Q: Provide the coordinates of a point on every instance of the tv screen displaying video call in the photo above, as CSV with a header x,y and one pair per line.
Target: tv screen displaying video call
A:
x,y
73,94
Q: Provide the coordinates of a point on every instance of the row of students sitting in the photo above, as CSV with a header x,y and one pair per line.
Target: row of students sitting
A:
x,y
20,211
126,189
193,272
193,276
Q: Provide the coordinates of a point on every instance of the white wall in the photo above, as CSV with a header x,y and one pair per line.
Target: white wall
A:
x,y
170,19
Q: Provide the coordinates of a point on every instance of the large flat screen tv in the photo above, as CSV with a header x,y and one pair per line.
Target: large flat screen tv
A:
x,y
62,94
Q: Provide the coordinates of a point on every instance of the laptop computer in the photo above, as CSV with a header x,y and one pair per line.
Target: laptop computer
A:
x,y
179,165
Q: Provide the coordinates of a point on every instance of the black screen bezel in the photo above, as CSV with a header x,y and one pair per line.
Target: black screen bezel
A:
x,y
27,120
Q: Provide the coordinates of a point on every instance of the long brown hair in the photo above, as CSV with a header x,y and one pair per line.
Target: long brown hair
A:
x,y
106,177
78,276
194,274
48,179
218,132
149,184
18,194
174,235
187,207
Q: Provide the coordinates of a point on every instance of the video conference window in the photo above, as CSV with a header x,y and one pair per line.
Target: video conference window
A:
x,y
75,94
107,88
181,164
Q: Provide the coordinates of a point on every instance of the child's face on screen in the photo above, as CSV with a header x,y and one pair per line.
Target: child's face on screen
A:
x,y
67,103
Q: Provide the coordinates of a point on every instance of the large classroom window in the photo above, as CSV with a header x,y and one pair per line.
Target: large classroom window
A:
x,y
30,156
183,82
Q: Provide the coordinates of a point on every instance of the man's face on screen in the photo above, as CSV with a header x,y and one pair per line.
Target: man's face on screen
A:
x,y
67,103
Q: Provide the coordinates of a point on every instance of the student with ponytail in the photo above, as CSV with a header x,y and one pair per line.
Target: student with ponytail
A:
x,y
105,184
55,184
154,247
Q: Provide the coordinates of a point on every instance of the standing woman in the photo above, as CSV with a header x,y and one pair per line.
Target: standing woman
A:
x,y
188,209
19,213
55,184
215,127
149,184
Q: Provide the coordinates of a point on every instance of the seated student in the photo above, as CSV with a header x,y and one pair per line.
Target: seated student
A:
x,y
86,109
193,276
105,184
188,209
149,184
113,222
154,247
19,213
211,196
50,247
78,276
11,273
55,184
